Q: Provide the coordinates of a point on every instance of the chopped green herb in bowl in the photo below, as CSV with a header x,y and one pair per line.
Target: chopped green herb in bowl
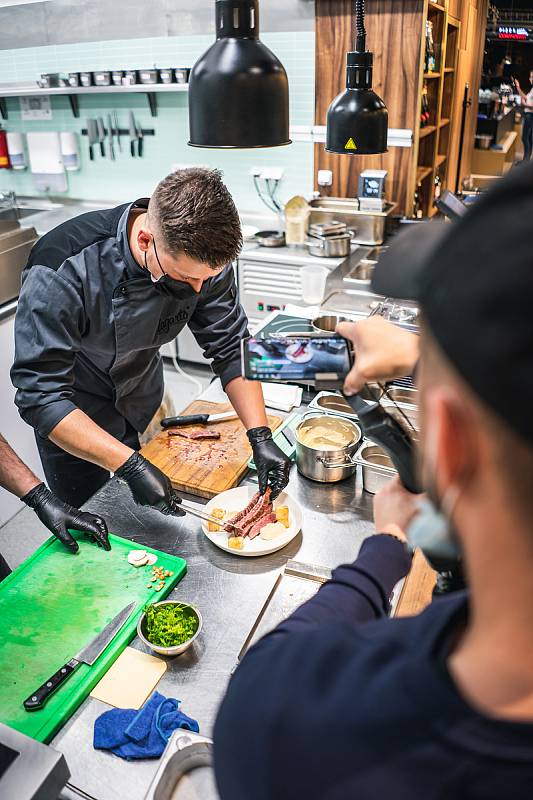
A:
x,y
169,627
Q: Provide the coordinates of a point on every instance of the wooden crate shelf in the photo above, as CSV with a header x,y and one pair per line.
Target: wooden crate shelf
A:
x,y
422,173
427,131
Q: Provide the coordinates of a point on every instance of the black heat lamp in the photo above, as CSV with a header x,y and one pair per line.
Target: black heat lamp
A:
x,y
357,119
238,89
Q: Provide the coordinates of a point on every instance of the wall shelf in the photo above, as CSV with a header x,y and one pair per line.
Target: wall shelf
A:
x,y
30,90
422,173
427,131
432,152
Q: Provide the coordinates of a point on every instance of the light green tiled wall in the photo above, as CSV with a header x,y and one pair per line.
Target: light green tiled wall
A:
x,y
128,177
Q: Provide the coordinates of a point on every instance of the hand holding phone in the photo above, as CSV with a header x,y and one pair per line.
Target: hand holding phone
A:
x,y
306,360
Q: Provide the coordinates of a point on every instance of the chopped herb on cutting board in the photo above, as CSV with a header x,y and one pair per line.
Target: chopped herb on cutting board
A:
x,y
170,625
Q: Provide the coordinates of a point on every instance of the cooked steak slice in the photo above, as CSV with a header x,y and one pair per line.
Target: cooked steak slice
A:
x,y
260,524
196,435
240,514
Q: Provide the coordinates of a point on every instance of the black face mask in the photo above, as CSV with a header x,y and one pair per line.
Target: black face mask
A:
x,y
167,285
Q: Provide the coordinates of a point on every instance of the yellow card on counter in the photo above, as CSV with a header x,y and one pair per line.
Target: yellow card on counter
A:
x,y
131,679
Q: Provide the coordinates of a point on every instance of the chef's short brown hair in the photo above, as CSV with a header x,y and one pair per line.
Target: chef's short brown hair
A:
x,y
194,213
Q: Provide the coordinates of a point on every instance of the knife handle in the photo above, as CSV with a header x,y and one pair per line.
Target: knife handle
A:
x,y
37,700
102,149
132,147
91,154
177,422
140,147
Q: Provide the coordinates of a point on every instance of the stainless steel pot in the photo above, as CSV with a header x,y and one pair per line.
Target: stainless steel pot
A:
x,y
270,238
321,463
338,245
327,323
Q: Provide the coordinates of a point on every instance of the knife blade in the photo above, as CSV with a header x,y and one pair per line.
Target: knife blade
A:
x,y
140,140
87,655
101,134
110,136
197,419
133,133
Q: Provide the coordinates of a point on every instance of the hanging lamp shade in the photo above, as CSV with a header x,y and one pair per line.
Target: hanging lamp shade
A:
x,y
238,89
357,119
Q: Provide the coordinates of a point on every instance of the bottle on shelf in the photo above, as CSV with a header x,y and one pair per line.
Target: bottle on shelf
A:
x,y
425,113
431,59
417,202
437,186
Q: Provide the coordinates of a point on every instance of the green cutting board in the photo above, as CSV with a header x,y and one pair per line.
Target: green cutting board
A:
x,y
51,607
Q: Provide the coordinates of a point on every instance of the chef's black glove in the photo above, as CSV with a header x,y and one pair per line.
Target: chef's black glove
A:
x,y
149,486
59,517
271,463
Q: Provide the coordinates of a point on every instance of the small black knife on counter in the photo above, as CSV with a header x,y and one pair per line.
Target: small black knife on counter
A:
x,y
88,655
197,419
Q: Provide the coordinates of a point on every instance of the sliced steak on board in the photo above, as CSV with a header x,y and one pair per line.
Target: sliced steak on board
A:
x,y
196,435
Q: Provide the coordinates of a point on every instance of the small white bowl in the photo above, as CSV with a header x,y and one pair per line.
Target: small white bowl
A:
x,y
179,648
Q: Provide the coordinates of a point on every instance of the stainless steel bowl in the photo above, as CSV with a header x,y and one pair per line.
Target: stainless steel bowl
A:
x,y
179,648
327,465
377,467
327,322
402,394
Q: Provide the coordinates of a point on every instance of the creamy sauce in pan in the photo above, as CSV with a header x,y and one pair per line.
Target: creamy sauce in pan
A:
x,y
325,434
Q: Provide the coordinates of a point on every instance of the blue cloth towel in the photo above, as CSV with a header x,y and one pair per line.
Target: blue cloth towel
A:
x,y
134,734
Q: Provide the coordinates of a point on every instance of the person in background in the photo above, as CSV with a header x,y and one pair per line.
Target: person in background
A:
x,y
527,124
100,295
339,700
58,517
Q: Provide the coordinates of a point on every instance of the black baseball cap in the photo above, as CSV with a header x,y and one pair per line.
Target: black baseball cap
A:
x,y
473,280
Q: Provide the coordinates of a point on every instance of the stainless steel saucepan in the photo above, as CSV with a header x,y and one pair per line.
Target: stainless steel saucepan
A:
x,y
322,460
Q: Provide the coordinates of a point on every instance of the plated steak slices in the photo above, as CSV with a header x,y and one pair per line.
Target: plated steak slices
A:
x,y
261,507
260,524
241,514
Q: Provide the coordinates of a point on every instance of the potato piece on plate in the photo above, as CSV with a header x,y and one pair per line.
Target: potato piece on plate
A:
x,y
219,513
236,542
282,515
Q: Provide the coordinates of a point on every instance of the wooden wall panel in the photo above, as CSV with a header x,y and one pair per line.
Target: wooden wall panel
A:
x,y
455,8
394,34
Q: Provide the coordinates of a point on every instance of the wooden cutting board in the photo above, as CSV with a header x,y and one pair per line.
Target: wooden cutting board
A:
x,y
204,468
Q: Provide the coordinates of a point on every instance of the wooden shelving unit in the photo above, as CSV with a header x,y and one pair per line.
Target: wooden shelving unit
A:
x,y
432,143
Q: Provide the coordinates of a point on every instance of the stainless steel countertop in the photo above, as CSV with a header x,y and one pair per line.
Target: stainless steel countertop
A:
x,y
231,593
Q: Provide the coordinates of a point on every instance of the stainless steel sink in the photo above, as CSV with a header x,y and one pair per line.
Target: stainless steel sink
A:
x,y
15,247
27,211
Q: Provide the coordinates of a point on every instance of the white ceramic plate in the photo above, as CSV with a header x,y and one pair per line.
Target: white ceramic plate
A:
x,y
235,500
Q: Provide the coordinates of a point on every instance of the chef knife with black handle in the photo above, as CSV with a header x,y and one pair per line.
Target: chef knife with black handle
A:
x,y
117,131
92,136
197,419
110,137
101,134
133,134
88,655
140,140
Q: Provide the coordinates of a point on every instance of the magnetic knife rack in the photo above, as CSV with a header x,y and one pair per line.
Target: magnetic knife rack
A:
x,y
122,132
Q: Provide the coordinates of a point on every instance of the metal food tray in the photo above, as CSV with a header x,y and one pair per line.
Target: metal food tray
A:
x,y
375,475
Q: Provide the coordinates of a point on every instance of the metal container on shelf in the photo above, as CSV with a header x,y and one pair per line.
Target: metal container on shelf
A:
x,y
368,227
102,77
182,74
327,465
333,246
377,467
148,76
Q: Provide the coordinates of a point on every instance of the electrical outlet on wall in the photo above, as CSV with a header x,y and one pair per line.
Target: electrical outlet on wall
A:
x,y
272,173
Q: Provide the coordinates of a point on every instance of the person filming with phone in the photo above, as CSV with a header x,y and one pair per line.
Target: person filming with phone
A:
x,y
340,700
